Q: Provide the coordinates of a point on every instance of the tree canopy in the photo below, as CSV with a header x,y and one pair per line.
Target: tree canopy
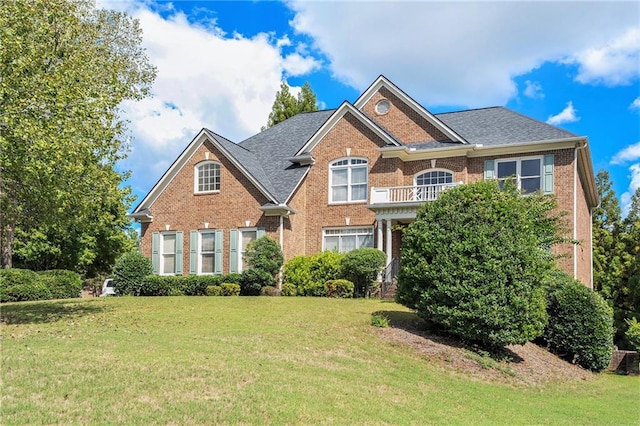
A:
x,y
65,69
286,105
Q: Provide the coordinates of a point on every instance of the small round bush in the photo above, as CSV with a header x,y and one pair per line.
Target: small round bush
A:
x,y
214,290
580,327
339,288
253,280
288,289
230,289
63,284
129,271
362,266
18,285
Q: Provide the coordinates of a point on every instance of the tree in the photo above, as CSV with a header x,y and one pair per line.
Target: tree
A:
x,y
474,261
65,68
286,105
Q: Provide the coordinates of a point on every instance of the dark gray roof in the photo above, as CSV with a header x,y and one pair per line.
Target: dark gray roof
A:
x,y
500,126
271,148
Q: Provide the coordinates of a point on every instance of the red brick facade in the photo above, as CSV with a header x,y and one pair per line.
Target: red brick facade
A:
x,y
237,204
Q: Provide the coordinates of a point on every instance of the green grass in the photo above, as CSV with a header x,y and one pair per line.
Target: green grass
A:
x,y
261,360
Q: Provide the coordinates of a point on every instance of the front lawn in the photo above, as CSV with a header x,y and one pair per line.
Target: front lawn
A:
x,y
276,360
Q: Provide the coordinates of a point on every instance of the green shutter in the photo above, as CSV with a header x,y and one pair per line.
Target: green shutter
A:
x,y
547,174
155,252
217,265
489,169
233,250
178,270
260,233
193,252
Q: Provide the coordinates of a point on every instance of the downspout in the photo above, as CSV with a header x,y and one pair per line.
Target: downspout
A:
x,y
575,212
280,275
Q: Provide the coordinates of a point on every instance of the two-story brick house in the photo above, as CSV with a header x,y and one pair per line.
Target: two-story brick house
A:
x,y
345,178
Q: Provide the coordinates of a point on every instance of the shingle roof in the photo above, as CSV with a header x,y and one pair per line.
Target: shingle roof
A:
x,y
500,126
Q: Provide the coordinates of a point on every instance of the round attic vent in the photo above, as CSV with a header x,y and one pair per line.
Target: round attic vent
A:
x,y
382,107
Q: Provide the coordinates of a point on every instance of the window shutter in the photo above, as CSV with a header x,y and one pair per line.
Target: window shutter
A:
x,y
217,265
547,174
489,169
233,250
178,270
193,252
155,252
260,233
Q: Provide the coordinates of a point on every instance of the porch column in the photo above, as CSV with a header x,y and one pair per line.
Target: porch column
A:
x,y
388,249
380,246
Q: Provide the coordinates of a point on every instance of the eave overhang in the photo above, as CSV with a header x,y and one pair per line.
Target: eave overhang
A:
x,y
277,210
143,216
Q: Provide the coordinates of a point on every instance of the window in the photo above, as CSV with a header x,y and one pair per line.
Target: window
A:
x,y
207,177
168,254
348,180
343,240
247,236
526,171
207,252
434,178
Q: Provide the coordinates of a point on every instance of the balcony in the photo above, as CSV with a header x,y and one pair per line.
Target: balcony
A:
x,y
409,194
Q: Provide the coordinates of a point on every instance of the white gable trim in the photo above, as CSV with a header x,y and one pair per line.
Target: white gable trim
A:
x,y
335,118
180,162
382,81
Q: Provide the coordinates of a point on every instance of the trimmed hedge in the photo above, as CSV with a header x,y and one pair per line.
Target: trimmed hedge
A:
x,y
187,285
19,285
339,288
580,327
62,284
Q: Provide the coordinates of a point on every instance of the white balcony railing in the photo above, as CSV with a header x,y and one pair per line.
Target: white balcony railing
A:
x,y
407,194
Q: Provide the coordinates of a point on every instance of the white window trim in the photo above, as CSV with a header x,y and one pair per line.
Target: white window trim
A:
x,y
348,167
240,252
161,253
199,252
415,177
346,228
518,175
196,173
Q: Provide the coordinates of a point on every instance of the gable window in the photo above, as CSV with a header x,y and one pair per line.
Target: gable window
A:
x,y
527,172
343,240
348,180
207,177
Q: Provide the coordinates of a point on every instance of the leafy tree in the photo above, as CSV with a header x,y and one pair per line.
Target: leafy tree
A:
x,y
473,262
286,105
65,69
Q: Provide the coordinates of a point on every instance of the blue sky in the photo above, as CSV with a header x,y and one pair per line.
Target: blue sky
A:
x,y
572,64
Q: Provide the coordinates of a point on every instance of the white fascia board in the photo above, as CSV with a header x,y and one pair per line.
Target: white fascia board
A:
x,y
585,169
333,120
173,170
382,81
407,153
523,147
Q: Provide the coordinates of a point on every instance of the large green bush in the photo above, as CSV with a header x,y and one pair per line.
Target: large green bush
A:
x,y
63,284
580,326
309,273
474,260
129,272
18,285
362,267
265,255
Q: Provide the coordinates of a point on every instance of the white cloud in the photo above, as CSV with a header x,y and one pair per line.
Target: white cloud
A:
x,y
635,104
459,53
613,64
533,90
295,64
567,115
633,187
628,154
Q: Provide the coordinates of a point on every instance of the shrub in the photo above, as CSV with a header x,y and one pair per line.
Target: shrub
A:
x,y
214,290
155,285
230,289
309,273
253,280
633,334
265,255
379,320
269,290
231,278
339,288
18,285
474,260
580,326
129,272
62,284
288,289
362,266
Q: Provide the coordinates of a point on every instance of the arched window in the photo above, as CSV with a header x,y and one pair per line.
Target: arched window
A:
x,y
207,177
348,180
434,177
